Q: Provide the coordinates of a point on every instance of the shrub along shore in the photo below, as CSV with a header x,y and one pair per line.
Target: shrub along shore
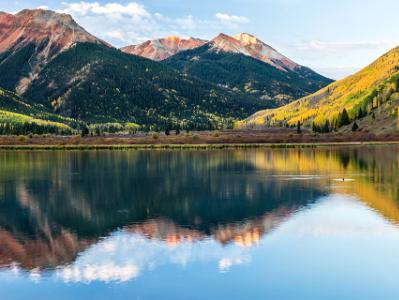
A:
x,y
195,140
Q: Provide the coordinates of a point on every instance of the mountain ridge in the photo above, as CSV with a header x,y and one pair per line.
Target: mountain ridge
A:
x,y
225,62
31,38
250,45
243,43
370,96
163,48
94,83
52,61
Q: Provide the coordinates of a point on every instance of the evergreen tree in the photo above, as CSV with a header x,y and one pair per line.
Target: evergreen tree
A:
x,y
298,127
355,126
345,120
342,119
84,130
326,127
360,113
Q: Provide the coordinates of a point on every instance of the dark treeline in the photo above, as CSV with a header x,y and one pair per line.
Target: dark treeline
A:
x,y
31,128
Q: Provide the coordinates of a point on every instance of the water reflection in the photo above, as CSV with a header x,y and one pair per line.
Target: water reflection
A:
x,y
117,216
124,255
56,204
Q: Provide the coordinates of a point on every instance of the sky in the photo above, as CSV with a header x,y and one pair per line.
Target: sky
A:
x,y
335,38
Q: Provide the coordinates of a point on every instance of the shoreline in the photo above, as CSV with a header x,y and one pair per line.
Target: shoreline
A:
x,y
83,147
233,139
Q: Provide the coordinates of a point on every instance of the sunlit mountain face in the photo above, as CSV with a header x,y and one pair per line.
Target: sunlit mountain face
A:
x,y
163,48
30,39
255,220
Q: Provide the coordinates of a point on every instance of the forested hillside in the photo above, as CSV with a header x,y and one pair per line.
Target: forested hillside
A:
x,y
247,75
95,83
30,39
50,60
19,117
370,98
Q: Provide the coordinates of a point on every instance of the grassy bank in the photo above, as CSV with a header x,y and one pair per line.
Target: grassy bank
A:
x,y
281,138
184,146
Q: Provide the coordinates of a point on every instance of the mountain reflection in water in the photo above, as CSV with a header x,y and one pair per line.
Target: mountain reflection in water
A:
x,y
115,215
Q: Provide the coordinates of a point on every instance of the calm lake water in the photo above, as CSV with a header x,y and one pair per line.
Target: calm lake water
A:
x,y
235,224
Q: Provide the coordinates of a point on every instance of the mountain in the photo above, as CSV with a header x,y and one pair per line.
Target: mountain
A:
x,y
95,83
19,117
250,45
370,97
246,64
30,39
164,48
49,60
61,69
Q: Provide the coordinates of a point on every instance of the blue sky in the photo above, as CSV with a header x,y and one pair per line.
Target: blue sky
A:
x,y
335,37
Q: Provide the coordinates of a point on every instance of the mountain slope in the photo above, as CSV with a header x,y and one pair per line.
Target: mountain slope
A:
x,y
164,48
250,45
371,94
95,83
19,117
30,39
50,60
249,66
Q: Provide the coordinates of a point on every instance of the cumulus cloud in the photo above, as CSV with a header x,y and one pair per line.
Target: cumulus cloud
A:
x,y
109,9
230,18
132,23
125,256
226,263
107,272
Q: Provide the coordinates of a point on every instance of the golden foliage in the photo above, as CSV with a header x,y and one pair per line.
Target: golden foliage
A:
x,y
329,101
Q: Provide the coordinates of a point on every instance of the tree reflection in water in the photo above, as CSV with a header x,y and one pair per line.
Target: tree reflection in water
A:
x,y
58,207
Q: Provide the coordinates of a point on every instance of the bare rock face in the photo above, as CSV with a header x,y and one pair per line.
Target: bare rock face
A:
x,y
250,45
161,49
243,43
45,33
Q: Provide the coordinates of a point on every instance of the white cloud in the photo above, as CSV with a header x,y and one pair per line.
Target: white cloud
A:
x,y
345,46
45,7
188,22
132,23
106,272
125,256
226,263
335,59
35,275
115,34
337,215
230,18
132,9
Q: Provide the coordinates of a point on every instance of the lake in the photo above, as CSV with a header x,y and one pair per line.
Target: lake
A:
x,y
311,223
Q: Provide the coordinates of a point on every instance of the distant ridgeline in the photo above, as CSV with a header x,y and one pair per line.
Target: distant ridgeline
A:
x,y
66,80
367,100
246,64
